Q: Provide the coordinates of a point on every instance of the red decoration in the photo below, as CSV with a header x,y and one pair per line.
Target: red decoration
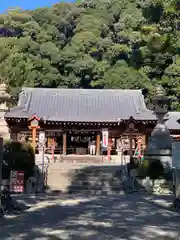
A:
x,y
53,148
139,147
34,117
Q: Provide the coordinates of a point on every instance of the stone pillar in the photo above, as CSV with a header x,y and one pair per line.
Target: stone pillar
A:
x,y
64,143
177,183
98,147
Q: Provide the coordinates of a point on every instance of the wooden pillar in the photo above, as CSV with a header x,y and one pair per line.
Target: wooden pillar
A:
x,y
131,128
130,144
64,143
14,136
18,137
98,147
34,138
144,139
147,136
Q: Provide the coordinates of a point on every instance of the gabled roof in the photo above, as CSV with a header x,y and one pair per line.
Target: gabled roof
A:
x,y
172,122
82,105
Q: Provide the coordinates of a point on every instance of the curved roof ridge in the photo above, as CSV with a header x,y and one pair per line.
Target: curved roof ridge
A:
x,y
83,104
82,89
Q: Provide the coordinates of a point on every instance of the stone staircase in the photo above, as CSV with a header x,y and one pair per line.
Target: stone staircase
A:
x,y
81,159
91,159
104,178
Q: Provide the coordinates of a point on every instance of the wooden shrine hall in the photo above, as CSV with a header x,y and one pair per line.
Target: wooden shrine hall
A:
x,y
74,120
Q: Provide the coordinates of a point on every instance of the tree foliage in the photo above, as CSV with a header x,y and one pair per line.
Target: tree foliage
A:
x,y
18,156
93,44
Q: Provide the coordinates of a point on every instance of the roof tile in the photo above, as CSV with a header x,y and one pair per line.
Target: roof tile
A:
x,y
91,105
172,122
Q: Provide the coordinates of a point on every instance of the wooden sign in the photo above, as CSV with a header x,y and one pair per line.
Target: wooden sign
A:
x,y
17,181
42,137
34,125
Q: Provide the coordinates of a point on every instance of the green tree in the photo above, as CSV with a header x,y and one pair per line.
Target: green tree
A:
x,y
93,44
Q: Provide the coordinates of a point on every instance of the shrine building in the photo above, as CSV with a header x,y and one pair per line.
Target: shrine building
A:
x,y
73,118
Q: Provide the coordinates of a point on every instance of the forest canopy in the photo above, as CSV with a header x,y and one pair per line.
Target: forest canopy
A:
x,y
93,44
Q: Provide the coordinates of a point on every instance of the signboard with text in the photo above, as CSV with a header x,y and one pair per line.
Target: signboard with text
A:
x,y
17,181
42,137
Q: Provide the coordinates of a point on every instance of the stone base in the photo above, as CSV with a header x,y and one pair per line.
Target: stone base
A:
x,y
177,183
158,186
77,178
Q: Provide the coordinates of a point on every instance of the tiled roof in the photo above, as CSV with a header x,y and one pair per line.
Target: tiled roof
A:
x,y
172,123
92,105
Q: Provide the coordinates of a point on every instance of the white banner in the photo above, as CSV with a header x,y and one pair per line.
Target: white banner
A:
x,y
42,137
105,136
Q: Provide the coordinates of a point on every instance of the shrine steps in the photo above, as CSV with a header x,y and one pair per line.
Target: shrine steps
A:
x,y
85,178
81,159
91,159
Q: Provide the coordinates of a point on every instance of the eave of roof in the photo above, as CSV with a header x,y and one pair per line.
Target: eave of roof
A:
x,y
84,105
172,120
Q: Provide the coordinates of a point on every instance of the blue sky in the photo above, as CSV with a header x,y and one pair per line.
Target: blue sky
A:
x,y
25,4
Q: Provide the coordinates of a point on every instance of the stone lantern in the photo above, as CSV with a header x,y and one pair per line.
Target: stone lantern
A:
x,y
4,98
160,142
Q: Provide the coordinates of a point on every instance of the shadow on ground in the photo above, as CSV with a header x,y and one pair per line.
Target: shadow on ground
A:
x,y
71,217
97,179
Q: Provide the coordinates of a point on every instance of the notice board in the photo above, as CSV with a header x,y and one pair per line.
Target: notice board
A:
x,y
17,181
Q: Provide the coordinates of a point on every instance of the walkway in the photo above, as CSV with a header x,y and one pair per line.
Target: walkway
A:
x,y
130,217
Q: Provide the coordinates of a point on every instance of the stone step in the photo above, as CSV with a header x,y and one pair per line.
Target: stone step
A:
x,y
86,175
82,159
72,159
96,181
85,167
80,177
97,192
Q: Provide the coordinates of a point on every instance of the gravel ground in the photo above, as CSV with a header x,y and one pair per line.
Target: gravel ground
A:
x,y
131,217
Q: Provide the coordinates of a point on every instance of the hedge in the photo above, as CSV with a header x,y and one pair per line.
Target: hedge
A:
x,y
153,169
18,156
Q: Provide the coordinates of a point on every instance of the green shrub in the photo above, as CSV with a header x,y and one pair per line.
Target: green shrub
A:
x,y
19,156
155,169
143,168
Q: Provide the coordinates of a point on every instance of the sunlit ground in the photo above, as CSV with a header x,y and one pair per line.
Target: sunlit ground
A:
x,y
133,217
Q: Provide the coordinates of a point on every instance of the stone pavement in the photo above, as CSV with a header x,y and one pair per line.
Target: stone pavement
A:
x,y
128,217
